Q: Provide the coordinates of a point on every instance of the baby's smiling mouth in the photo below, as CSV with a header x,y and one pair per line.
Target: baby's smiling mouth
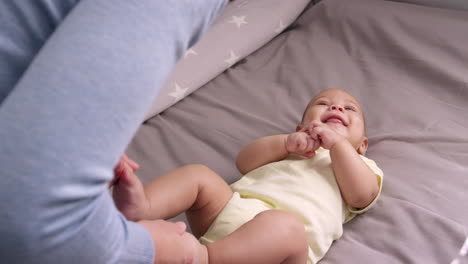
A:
x,y
334,119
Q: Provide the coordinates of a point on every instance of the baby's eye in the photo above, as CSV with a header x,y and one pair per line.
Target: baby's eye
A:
x,y
350,108
321,103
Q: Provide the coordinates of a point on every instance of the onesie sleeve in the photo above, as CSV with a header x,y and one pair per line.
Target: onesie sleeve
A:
x,y
379,174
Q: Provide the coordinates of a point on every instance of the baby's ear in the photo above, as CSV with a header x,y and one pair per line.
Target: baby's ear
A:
x,y
363,147
299,127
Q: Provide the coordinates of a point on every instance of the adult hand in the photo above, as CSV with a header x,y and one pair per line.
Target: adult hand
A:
x,y
173,244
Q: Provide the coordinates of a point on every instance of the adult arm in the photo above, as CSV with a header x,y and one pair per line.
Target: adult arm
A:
x,y
68,119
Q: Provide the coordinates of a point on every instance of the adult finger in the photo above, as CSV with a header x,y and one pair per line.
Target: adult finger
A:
x,y
182,227
171,245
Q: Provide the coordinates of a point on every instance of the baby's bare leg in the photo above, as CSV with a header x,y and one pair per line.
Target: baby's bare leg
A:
x,y
194,189
271,237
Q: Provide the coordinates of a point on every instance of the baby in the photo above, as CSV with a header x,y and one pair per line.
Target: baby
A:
x,y
297,191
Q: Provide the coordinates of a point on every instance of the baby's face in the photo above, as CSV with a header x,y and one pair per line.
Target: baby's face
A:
x,y
340,111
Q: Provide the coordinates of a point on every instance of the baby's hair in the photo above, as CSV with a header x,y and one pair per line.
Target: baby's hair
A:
x,y
305,111
364,122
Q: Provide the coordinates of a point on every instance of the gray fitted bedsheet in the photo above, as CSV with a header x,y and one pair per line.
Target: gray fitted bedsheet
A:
x,y
406,64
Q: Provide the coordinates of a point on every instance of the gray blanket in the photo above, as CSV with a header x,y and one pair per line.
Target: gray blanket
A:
x,y
406,64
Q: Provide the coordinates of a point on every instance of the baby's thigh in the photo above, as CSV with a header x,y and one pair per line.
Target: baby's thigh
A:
x,y
272,236
235,213
240,211
283,226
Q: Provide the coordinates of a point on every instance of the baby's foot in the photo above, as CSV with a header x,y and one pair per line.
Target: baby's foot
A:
x,y
128,193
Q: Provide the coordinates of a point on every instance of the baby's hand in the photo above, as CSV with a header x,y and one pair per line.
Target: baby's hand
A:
x,y
324,134
300,143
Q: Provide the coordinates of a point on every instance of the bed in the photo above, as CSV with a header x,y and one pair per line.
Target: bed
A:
x,y
405,61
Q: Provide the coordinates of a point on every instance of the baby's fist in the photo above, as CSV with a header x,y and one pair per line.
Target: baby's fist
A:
x,y
326,136
300,143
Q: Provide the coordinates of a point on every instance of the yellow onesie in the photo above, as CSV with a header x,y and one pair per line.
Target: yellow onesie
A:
x,y
305,187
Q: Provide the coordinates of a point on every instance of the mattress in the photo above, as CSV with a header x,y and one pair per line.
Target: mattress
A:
x,y
405,63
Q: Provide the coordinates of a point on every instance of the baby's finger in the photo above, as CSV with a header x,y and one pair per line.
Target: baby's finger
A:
x,y
318,130
316,145
126,174
135,166
303,129
314,135
315,124
124,157
302,145
112,183
310,154
130,162
114,180
310,144
120,166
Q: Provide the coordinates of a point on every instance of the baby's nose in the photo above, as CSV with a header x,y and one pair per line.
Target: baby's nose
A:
x,y
337,107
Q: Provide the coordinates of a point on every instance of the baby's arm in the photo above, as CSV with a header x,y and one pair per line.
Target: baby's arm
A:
x,y
261,151
358,183
274,148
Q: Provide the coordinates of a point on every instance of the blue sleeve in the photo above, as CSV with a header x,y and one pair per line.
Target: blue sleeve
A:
x,y
77,78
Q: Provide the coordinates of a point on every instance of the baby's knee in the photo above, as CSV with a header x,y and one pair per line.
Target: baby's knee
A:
x,y
197,168
200,172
